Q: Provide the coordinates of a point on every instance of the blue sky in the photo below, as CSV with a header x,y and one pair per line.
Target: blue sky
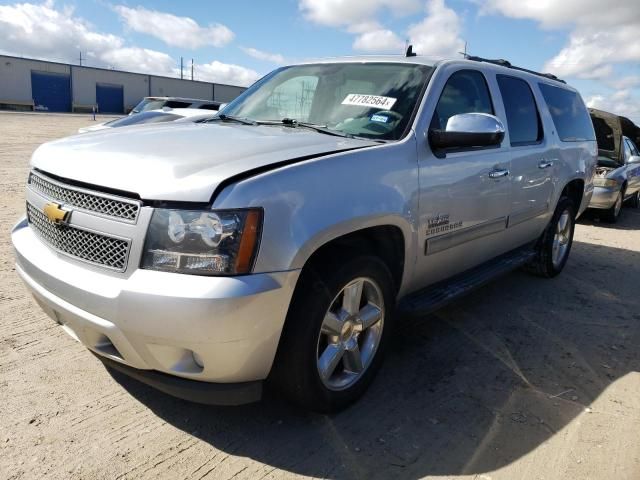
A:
x,y
593,44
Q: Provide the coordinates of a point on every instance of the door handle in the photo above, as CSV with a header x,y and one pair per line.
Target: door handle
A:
x,y
545,164
498,173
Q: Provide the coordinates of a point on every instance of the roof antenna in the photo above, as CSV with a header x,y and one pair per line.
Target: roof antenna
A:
x,y
410,52
465,54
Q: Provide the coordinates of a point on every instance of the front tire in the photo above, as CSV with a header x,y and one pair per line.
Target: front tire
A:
x,y
554,246
634,202
335,334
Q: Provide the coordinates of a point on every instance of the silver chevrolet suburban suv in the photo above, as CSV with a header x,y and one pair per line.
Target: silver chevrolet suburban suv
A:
x,y
275,242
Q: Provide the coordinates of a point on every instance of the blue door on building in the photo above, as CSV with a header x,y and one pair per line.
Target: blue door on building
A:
x,y
110,98
51,91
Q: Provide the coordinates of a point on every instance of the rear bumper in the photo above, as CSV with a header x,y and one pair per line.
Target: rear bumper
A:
x,y
221,330
200,392
603,197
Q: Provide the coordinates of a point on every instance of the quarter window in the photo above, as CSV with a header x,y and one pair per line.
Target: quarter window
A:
x,y
466,91
523,119
569,114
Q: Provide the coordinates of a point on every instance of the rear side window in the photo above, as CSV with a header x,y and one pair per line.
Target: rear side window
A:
x,y
466,91
569,114
523,119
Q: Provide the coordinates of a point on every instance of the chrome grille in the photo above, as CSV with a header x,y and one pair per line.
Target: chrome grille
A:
x,y
102,204
88,246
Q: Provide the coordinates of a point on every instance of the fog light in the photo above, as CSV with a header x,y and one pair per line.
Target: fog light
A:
x,y
198,360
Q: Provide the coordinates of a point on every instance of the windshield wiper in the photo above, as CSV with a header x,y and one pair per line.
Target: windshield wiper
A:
x,y
231,118
292,122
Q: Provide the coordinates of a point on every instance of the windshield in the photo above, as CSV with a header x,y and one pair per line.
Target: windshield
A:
x,y
158,103
372,100
148,104
144,117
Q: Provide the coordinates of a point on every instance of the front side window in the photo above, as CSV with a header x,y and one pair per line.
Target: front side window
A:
x,y
371,100
523,120
569,114
466,91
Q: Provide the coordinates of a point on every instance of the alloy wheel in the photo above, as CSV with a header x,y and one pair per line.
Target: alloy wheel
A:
x,y
562,238
350,333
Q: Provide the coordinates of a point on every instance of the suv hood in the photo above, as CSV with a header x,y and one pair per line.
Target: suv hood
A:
x,y
183,162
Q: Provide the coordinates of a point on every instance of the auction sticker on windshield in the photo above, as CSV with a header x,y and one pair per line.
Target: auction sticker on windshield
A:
x,y
369,101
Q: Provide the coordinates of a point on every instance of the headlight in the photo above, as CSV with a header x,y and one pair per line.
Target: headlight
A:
x,y
605,182
213,242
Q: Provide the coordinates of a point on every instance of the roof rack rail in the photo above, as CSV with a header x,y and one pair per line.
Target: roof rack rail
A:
x,y
507,64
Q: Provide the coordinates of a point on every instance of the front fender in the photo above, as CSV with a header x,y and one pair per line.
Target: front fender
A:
x,y
310,203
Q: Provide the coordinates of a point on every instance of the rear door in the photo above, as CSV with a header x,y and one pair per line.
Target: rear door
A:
x,y
464,194
532,163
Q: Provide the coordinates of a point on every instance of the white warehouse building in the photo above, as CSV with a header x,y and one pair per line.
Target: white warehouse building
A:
x,y
27,84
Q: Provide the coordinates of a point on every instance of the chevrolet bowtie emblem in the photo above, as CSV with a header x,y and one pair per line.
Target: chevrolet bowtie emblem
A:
x,y
55,213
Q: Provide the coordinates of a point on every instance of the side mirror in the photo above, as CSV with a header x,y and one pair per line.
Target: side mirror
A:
x,y
221,107
633,159
468,130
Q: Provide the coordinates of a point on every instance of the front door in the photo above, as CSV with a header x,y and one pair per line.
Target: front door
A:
x,y
464,195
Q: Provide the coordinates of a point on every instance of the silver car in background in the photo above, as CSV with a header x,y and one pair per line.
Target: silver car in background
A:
x,y
617,175
147,117
617,182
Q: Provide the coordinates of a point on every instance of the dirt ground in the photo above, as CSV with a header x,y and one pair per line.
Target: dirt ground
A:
x,y
524,379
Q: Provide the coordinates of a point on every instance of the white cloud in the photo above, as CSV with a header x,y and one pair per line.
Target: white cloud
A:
x,y
552,13
262,55
219,72
44,32
590,54
174,30
135,59
379,40
622,102
604,33
359,17
343,13
438,34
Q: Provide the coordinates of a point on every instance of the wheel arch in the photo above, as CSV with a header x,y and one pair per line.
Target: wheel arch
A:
x,y
390,241
574,189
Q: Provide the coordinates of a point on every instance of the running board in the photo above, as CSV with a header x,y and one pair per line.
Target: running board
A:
x,y
430,299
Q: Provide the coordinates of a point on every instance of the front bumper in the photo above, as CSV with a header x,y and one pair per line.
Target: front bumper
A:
x,y
604,197
209,329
